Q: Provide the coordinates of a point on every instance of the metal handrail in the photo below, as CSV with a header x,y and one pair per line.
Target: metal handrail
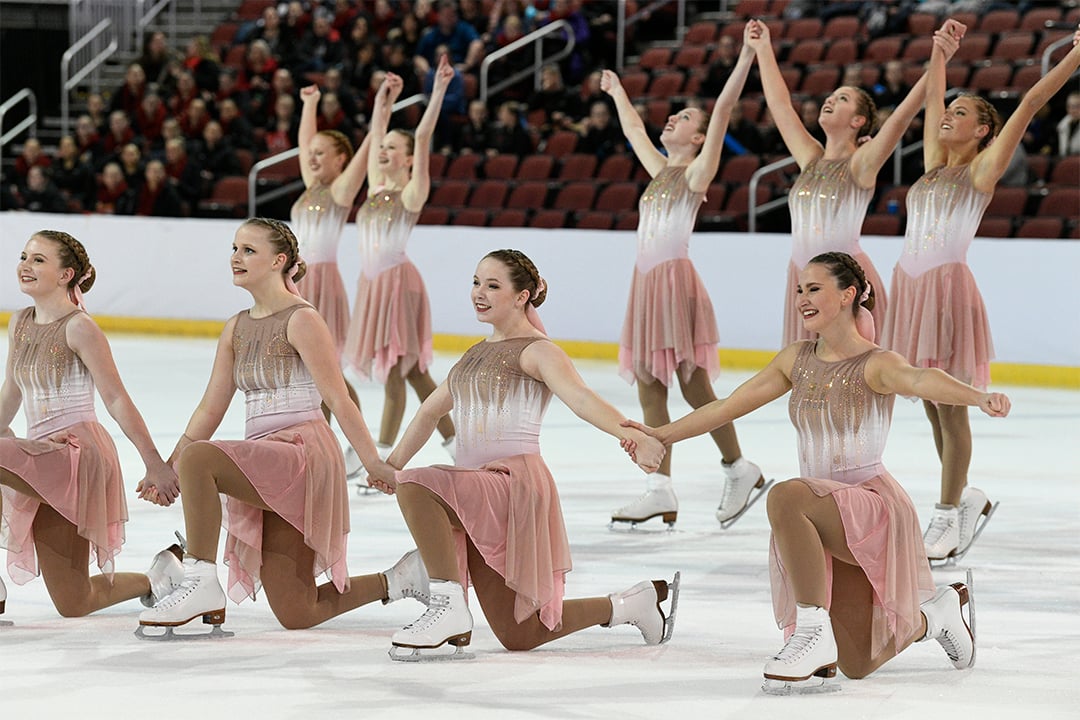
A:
x,y
145,17
29,122
752,208
67,81
254,200
1067,40
532,39
622,23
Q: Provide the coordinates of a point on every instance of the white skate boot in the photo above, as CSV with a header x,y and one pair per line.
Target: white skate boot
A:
x,y
742,477
3,602
200,593
807,660
975,511
166,573
408,579
360,475
945,622
446,622
640,606
943,535
658,500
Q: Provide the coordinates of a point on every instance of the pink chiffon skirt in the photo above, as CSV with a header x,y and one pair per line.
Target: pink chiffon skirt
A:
x,y
939,320
299,472
883,533
669,326
322,287
511,513
78,477
391,324
793,324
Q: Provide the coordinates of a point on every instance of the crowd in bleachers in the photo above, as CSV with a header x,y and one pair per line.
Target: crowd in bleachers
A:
x,y
174,136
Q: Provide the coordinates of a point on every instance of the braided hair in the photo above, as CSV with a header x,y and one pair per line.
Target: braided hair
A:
x,y
865,106
283,240
72,255
340,141
523,274
986,114
847,273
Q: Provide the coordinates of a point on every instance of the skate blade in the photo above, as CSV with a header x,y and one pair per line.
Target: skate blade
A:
x,y
813,685
971,615
169,634
628,525
669,621
979,527
6,623
443,653
754,497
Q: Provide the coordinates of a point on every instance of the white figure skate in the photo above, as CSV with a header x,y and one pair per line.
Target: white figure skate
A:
x,y
942,536
742,478
945,622
165,574
199,594
975,512
640,606
807,663
358,474
658,501
3,603
408,579
447,622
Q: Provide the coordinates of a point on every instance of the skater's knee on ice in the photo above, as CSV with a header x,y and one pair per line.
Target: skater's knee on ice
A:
x,y
72,607
515,640
295,619
857,668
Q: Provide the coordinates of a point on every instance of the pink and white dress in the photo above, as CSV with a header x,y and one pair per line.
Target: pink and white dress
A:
x,y
318,222
289,455
938,317
670,324
68,458
501,489
391,320
827,213
842,426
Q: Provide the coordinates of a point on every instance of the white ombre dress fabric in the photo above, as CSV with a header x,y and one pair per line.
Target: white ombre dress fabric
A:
x,y
318,223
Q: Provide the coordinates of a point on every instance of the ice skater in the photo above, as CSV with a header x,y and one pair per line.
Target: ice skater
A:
x,y
670,328
938,318
61,491
390,332
284,485
850,580
494,519
828,200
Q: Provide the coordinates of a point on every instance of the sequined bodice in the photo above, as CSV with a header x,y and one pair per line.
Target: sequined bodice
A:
x,y
667,211
57,389
318,221
278,389
842,423
384,226
498,409
827,210
943,214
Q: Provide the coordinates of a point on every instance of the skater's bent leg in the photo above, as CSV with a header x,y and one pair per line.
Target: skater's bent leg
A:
x,y
64,557
956,451
653,396
497,601
935,425
423,384
431,522
805,527
288,578
205,471
852,615
393,406
698,391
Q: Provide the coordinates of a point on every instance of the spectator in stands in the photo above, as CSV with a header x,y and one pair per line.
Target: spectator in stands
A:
x,y
559,105
333,117
31,156
281,132
73,177
652,131
466,47
600,135
128,96
358,33
511,30
131,164
361,65
727,53
407,34
384,18
453,105
743,136
280,42
155,57
194,120
156,197
91,149
95,108
40,193
474,136
1069,128
321,47
235,126
148,121
569,10
852,76
203,63
399,62
216,156
229,89
333,82
111,187
810,114
259,68
170,129
183,172
891,89
592,94
186,92
508,133
120,133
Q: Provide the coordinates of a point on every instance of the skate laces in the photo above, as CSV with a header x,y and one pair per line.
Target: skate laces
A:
x,y
732,488
177,596
438,606
799,644
940,524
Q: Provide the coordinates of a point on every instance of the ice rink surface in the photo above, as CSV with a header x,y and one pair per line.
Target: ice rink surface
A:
x,y
1026,565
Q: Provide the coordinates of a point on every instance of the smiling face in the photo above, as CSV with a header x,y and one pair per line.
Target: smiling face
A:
x,y
493,295
684,128
253,258
819,300
395,152
324,161
960,123
40,270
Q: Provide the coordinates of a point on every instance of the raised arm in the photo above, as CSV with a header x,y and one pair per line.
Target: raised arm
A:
x,y
346,185
633,128
889,372
547,362
934,153
10,395
703,169
85,338
990,164
417,189
309,126
380,121
800,143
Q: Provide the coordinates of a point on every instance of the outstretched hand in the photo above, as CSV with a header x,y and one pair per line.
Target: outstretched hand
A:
x,y
756,35
381,477
609,82
310,93
995,404
444,73
948,37
646,451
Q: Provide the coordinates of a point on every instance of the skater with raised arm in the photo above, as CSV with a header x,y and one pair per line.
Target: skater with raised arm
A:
x,y
494,520
851,583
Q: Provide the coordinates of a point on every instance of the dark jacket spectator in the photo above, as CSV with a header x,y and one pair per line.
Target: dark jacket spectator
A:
x,y
508,134
41,194
475,134
321,47
466,47
73,177
111,187
155,198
